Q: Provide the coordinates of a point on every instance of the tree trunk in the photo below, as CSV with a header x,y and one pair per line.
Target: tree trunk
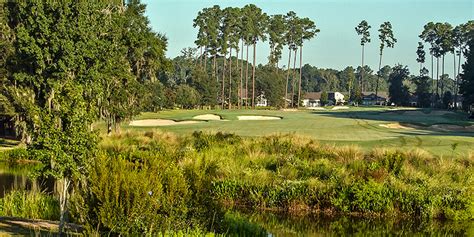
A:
x,y
230,79
442,73
214,69
205,60
63,198
437,79
299,81
361,84
200,57
293,79
223,81
287,77
455,81
432,82
247,80
241,74
378,79
253,73
459,68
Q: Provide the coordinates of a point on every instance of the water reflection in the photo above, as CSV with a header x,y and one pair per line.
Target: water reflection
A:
x,y
320,225
17,177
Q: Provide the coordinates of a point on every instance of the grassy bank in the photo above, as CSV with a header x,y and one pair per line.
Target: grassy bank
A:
x,y
155,182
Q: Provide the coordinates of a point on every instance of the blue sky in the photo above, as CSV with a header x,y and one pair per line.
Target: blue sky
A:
x,y
337,45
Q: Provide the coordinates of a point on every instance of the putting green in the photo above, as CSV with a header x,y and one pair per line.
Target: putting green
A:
x,y
366,127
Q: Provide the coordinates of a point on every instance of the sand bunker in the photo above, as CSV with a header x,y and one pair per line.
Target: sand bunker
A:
x,y
289,110
339,107
207,117
316,108
254,117
394,126
159,122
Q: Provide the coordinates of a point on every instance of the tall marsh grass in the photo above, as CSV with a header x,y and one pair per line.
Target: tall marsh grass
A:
x,y
156,183
30,205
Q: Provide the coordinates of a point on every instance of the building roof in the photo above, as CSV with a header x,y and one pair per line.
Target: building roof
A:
x,y
371,95
312,95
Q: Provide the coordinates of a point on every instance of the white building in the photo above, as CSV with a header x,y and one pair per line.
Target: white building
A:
x,y
261,101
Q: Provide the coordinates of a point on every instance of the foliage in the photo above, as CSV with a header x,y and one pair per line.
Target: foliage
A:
x,y
324,98
153,183
467,77
397,90
271,84
423,90
30,205
187,97
206,86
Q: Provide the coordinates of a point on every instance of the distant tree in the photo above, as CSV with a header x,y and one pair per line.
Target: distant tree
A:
x,y
347,78
447,99
270,82
206,86
445,84
445,40
467,76
398,92
155,98
363,30
384,74
187,97
276,32
460,40
420,52
386,39
309,31
422,90
257,33
429,35
356,96
291,21
324,98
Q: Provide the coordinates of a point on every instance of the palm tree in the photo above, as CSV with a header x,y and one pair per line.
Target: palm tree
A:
x,y
386,39
309,30
363,30
420,52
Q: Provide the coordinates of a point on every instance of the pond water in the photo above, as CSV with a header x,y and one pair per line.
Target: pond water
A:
x,y
319,225
17,177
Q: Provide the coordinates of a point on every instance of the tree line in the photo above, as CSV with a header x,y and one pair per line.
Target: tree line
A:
x,y
220,31
442,39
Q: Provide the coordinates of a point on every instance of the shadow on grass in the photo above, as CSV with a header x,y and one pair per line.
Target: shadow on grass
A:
x,y
27,227
423,122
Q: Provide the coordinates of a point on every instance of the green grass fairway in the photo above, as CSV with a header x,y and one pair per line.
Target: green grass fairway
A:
x,y
359,126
